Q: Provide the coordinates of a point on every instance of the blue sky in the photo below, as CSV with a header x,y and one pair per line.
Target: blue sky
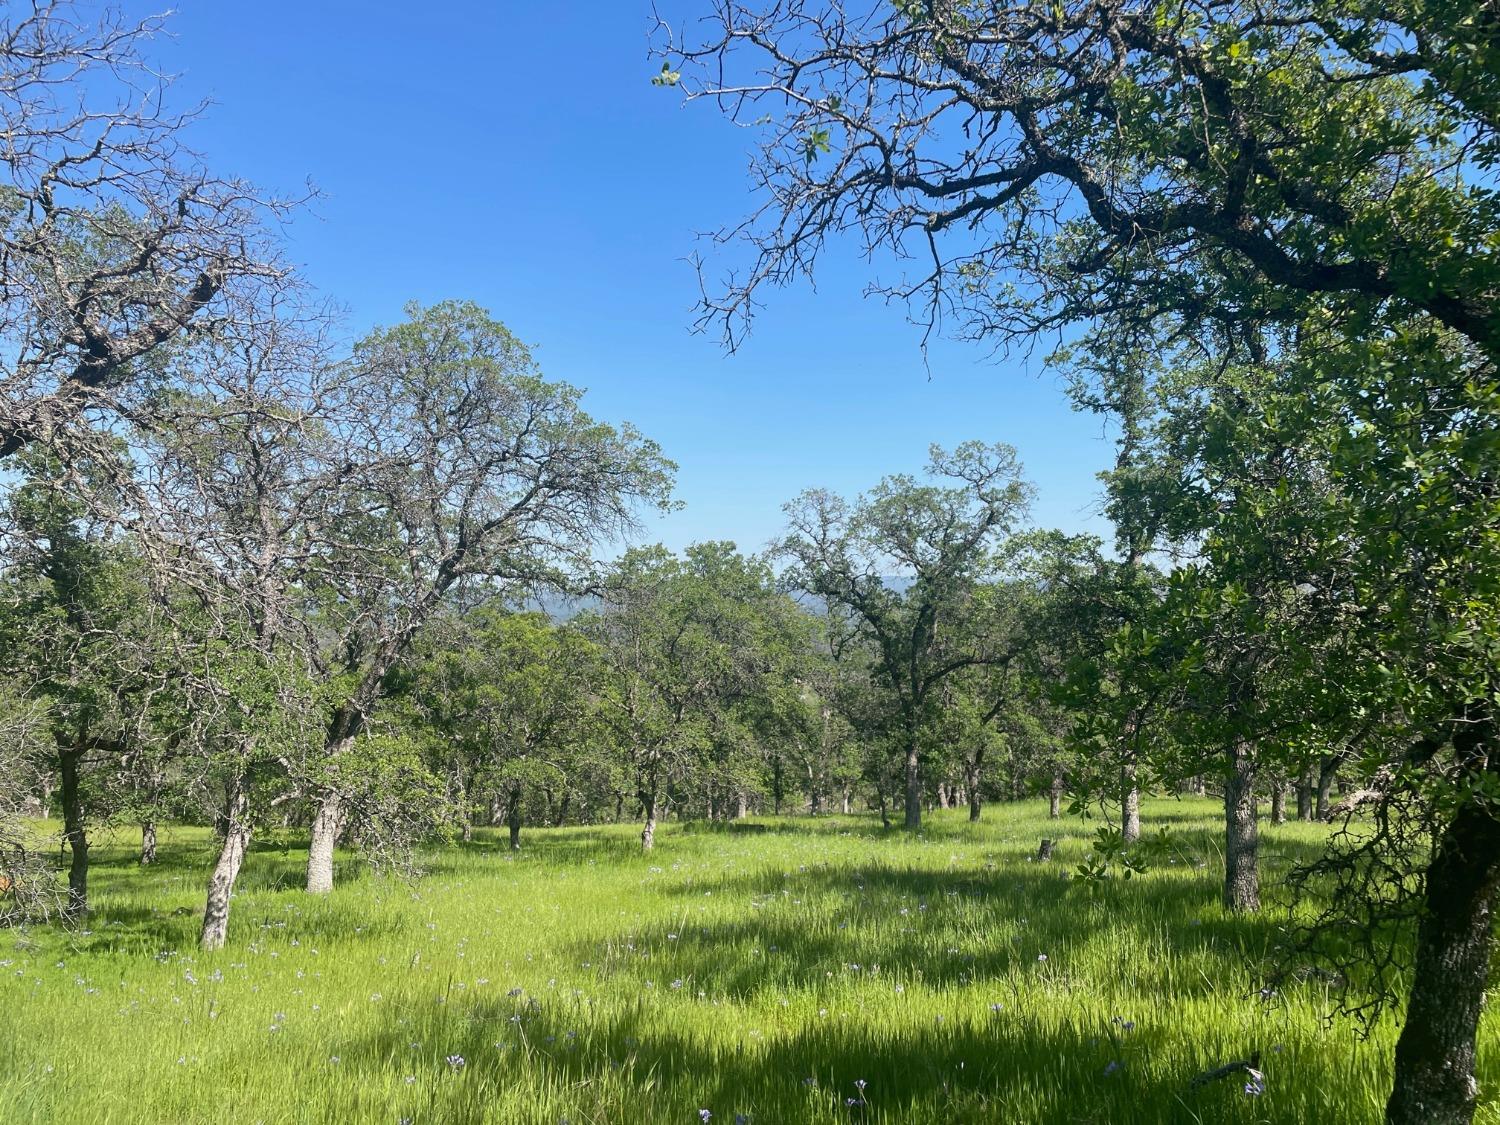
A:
x,y
517,155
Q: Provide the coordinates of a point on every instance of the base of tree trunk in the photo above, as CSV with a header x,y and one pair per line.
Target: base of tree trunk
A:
x,y
1130,806
326,826
1241,834
1436,1052
226,871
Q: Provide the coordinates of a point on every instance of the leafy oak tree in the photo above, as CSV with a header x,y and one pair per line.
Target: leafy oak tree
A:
x,y
900,567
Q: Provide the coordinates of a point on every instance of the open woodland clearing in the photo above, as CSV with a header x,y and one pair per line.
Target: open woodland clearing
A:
x,y
582,980
495,749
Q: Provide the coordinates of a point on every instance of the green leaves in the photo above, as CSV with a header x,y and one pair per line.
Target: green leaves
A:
x,y
815,143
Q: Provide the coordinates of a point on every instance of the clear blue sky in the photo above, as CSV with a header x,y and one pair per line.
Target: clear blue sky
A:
x,y
517,155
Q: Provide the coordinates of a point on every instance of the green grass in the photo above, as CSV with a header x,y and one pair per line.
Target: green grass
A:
x,y
747,973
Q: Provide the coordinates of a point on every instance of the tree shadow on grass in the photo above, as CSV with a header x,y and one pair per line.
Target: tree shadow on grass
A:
x,y
994,1067
938,928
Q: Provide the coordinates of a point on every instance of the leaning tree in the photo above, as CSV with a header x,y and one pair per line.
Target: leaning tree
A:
x,y
475,471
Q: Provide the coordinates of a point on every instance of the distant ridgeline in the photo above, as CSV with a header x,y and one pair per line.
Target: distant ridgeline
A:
x,y
565,607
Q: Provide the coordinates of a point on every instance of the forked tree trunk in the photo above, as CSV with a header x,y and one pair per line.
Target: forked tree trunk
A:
x,y
327,824
1305,795
1241,834
1130,805
513,818
497,809
75,832
148,842
913,785
236,841
648,833
1435,1055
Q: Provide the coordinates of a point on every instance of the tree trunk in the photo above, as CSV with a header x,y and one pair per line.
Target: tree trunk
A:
x,y
742,807
75,833
1278,802
1054,798
913,785
1435,1055
1130,805
1241,835
648,833
497,809
231,856
1327,769
468,831
845,805
619,807
942,794
561,816
776,796
148,842
885,812
513,818
1305,796
327,824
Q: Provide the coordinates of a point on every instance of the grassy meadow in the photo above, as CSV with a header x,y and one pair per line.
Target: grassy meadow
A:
x,y
810,971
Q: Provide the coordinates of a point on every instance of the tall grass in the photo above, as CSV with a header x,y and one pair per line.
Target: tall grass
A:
x,y
756,975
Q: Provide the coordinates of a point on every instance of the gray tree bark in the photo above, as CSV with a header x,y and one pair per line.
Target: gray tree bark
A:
x,y
1305,788
327,825
648,832
1130,805
148,842
513,818
913,785
1241,834
1327,770
226,870
75,832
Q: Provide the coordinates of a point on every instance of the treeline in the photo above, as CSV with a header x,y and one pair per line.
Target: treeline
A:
x,y
306,666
